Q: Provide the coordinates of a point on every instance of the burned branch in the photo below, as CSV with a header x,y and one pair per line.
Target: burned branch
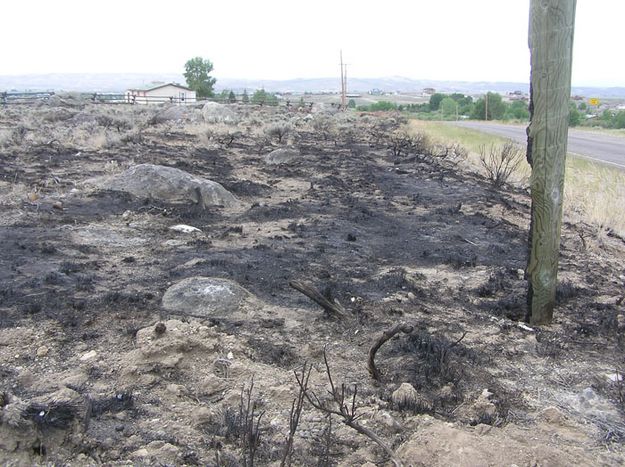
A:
x,y
332,309
341,406
386,335
295,414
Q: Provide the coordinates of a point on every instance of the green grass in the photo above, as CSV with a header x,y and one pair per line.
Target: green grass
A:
x,y
442,132
593,192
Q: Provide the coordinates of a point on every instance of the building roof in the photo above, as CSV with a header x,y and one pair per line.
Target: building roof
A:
x,y
153,86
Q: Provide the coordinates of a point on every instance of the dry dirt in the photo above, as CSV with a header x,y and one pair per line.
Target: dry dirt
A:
x,y
93,369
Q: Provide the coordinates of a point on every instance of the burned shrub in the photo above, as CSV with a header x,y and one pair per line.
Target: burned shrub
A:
x,y
434,365
324,126
496,282
501,161
279,130
267,352
58,415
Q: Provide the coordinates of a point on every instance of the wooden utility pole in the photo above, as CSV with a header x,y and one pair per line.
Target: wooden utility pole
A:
x,y
486,107
343,84
552,25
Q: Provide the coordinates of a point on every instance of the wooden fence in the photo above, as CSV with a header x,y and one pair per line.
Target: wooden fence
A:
x,y
11,98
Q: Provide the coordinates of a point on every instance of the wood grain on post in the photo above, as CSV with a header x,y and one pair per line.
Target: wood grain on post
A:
x,y
551,29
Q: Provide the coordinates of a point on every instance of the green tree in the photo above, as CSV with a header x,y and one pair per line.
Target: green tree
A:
x,y
223,96
517,110
448,106
382,106
619,120
465,105
351,104
575,117
245,98
262,97
435,101
496,107
197,73
606,118
259,97
272,99
232,98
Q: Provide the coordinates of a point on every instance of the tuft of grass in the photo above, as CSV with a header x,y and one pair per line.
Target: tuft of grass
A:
x,y
595,193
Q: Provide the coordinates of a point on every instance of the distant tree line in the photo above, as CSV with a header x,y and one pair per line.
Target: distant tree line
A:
x,y
581,114
457,105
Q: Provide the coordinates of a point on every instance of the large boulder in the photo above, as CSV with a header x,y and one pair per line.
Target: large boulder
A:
x,y
281,156
204,297
218,113
168,184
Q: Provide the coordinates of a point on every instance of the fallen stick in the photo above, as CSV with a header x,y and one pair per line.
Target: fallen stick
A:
x,y
333,309
386,335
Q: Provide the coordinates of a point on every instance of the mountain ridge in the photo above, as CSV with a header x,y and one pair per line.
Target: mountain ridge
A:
x,y
119,82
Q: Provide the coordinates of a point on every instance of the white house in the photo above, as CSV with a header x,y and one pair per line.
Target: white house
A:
x,y
160,94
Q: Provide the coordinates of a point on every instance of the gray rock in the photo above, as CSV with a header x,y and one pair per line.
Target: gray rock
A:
x,y
281,156
218,113
175,113
204,296
168,184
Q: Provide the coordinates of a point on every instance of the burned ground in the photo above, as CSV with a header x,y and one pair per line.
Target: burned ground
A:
x,y
393,238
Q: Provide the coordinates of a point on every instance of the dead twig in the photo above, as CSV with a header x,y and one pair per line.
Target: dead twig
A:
x,y
386,335
332,309
296,412
249,425
341,406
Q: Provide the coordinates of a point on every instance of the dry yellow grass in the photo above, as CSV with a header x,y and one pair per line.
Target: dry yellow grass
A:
x,y
593,193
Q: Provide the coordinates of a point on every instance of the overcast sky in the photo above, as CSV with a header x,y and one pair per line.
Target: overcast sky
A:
x,y
274,39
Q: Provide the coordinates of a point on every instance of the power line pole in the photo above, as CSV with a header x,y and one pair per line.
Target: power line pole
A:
x,y
486,107
343,83
552,26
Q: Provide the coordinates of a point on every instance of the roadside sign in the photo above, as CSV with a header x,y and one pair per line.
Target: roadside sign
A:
x,y
593,101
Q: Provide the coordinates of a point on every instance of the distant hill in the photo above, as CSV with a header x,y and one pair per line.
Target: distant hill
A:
x,y
118,82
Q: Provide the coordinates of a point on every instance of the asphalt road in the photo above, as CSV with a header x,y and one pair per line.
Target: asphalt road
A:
x,y
596,146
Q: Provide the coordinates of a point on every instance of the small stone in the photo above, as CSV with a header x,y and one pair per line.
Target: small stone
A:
x,y
183,228
520,274
483,429
201,416
411,296
88,356
140,453
58,205
552,415
175,389
42,351
160,329
389,421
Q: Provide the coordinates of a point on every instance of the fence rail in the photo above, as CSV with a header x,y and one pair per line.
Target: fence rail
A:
x,y
9,98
